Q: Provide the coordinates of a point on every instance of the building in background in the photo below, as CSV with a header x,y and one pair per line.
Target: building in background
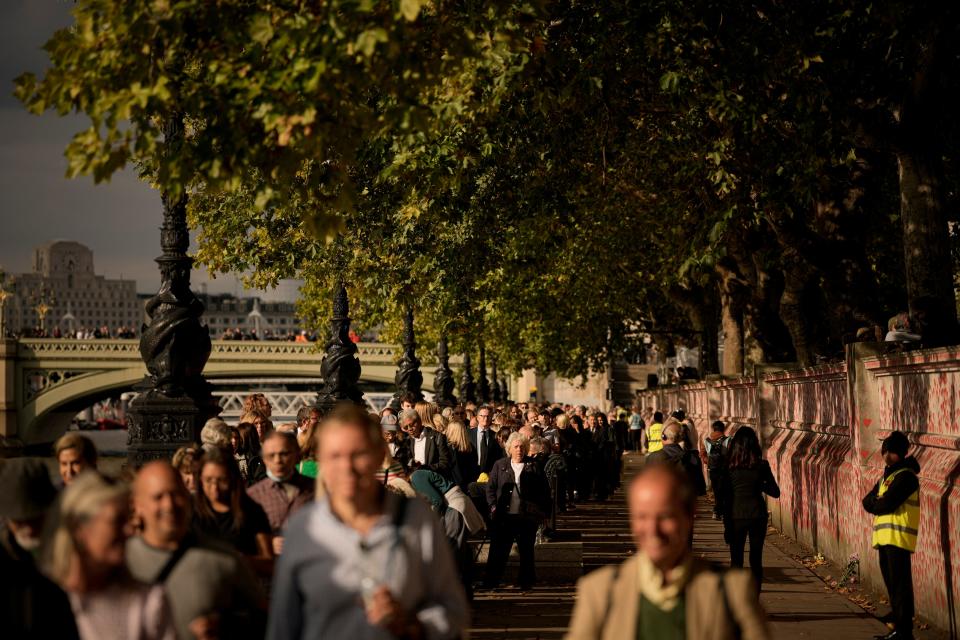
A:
x,y
63,295
250,316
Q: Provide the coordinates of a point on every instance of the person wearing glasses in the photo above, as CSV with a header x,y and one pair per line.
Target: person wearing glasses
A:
x,y
484,441
362,561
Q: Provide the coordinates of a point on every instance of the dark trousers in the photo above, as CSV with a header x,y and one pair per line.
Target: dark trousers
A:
x,y
505,531
636,439
898,576
716,476
738,531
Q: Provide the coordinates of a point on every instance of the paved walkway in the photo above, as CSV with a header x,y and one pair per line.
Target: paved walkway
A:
x,y
798,603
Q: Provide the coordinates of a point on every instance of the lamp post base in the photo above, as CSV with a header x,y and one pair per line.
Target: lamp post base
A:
x,y
158,426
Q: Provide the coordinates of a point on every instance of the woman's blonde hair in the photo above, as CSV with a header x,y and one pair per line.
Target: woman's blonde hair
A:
x,y
79,502
426,411
458,437
440,424
563,421
83,445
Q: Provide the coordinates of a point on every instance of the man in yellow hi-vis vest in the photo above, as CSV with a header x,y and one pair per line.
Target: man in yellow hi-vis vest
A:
x,y
895,501
653,433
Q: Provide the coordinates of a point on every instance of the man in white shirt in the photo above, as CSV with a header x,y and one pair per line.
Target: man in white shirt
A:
x,y
424,448
484,441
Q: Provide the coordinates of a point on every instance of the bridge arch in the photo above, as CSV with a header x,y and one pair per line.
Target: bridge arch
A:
x,y
54,379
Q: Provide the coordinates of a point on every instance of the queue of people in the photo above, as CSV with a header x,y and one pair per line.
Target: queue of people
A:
x,y
354,524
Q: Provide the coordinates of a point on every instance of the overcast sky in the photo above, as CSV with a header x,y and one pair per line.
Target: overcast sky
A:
x,y
118,220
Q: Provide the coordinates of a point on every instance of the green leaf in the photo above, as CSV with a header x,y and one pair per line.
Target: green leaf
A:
x,y
261,29
410,9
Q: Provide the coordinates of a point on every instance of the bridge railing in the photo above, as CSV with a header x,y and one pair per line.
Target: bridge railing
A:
x,y
221,350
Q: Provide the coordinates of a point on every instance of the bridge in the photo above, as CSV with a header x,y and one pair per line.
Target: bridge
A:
x,y
45,382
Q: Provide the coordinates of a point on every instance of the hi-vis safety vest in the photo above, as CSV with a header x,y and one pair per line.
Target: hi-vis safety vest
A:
x,y
899,528
654,443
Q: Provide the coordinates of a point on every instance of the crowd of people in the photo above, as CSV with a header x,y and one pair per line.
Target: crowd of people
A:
x,y
103,332
359,524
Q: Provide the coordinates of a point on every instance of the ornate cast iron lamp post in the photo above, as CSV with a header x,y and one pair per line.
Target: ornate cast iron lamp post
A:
x,y
175,399
483,387
340,367
468,388
443,382
4,294
495,394
409,380
504,390
43,303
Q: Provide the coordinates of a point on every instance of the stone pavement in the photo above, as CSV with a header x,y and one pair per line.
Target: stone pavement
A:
x,y
798,603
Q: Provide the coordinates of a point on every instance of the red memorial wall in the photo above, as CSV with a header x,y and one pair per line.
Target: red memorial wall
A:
x,y
821,428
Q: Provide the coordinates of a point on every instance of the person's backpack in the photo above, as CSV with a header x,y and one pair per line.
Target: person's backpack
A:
x,y
716,452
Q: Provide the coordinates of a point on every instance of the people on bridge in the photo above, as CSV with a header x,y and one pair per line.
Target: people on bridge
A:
x,y
518,500
663,592
212,592
85,554
363,562
75,453
31,605
223,511
284,491
895,502
747,479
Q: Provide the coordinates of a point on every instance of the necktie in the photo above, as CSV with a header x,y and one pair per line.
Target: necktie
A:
x,y
483,448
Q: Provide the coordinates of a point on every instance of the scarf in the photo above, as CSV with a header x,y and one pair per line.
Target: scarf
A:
x,y
663,590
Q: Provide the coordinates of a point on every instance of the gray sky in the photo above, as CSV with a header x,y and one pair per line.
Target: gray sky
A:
x,y
118,220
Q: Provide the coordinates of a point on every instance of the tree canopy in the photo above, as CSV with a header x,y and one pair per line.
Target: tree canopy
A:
x,y
547,177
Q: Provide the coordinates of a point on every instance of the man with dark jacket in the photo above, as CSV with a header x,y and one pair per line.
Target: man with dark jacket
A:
x,y
673,453
424,448
485,441
895,501
31,606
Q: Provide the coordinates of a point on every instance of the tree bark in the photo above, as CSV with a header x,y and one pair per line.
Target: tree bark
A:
x,y
797,308
926,239
732,293
702,308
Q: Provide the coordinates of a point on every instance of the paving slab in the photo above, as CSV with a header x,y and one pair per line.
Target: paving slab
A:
x,y
798,603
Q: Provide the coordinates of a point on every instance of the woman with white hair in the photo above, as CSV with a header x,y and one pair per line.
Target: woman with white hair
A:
x,y
519,498
86,555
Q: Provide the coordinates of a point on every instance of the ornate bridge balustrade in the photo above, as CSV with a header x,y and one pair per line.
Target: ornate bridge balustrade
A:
x,y
44,382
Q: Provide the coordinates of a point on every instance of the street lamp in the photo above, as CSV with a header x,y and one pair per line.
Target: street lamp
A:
x,y
4,294
43,304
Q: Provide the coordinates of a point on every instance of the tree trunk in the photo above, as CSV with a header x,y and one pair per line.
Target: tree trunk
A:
x,y
702,309
926,239
732,294
765,338
796,310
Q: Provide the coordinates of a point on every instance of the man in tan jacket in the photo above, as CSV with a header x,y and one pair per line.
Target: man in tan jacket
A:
x,y
663,592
